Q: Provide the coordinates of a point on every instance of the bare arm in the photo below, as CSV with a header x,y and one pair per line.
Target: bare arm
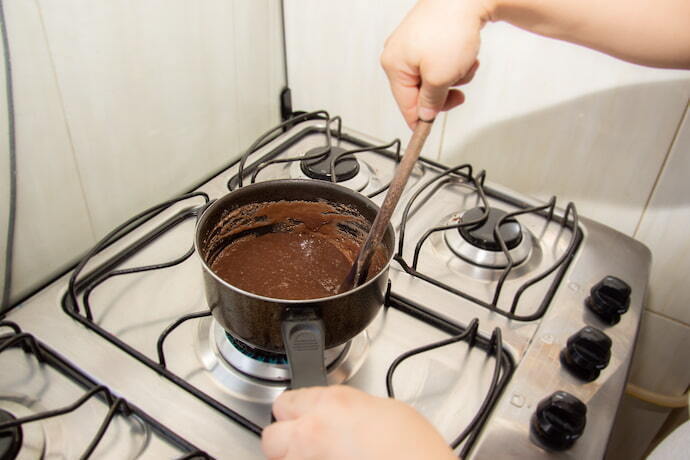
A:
x,y
649,32
436,46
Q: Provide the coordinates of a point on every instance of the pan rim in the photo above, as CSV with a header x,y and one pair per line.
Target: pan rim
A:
x,y
293,302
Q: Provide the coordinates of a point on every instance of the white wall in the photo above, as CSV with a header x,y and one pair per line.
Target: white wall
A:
x,y
545,118
120,105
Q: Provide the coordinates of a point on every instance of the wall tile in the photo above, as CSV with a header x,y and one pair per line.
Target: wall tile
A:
x,y
662,355
637,422
52,226
660,364
546,117
156,95
333,53
664,228
259,60
152,93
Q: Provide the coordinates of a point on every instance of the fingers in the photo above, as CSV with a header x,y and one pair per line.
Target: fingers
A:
x,y
295,403
275,439
435,96
433,49
454,99
468,76
405,89
427,101
432,97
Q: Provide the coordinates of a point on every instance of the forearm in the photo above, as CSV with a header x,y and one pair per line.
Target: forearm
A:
x,y
649,32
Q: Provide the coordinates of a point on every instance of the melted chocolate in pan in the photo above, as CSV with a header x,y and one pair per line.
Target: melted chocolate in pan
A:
x,y
295,250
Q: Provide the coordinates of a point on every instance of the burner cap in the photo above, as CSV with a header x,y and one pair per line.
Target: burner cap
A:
x,y
482,235
320,168
254,353
10,439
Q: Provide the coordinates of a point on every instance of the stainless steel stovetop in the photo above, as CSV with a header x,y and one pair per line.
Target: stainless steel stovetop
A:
x,y
141,327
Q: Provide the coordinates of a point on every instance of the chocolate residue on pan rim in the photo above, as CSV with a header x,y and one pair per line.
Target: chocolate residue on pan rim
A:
x,y
341,225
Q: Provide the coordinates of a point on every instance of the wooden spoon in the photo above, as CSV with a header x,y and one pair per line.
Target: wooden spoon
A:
x,y
358,273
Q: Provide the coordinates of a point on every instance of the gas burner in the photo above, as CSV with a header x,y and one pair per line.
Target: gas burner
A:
x,y
256,354
238,370
11,438
477,244
258,363
348,171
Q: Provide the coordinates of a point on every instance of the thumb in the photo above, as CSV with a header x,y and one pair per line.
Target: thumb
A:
x,y
432,98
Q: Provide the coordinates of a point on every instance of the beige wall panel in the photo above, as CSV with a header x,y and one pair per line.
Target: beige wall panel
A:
x,y
665,229
661,359
259,60
52,227
159,93
660,365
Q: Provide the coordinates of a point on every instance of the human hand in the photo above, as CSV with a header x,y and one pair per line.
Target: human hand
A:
x,y
340,422
434,48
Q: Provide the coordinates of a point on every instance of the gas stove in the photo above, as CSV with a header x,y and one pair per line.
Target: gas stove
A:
x,y
508,322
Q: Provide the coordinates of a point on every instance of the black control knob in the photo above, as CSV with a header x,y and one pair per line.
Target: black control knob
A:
x,y
559,421
609,299
587,352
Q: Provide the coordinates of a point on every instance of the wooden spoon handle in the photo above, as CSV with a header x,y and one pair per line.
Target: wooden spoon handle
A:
x,y
402,174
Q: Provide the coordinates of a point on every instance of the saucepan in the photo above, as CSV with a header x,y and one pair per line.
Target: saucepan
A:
x,y
302,329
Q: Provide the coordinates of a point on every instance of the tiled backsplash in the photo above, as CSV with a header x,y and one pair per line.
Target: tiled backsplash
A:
x,y
120,105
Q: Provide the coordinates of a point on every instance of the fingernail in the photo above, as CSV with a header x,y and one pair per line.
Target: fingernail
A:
x,y
426,114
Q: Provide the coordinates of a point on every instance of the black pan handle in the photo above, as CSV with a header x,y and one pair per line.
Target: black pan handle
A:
x,y
303,337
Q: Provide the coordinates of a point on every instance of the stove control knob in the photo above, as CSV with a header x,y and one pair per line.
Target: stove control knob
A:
x,y
559,421
587,352
609,299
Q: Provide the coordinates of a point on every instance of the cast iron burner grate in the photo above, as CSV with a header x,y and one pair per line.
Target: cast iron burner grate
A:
x,y
465,174
254,353
334,163
82,312
117,406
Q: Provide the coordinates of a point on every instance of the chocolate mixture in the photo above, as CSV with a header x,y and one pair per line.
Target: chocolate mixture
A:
x,y
294,250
